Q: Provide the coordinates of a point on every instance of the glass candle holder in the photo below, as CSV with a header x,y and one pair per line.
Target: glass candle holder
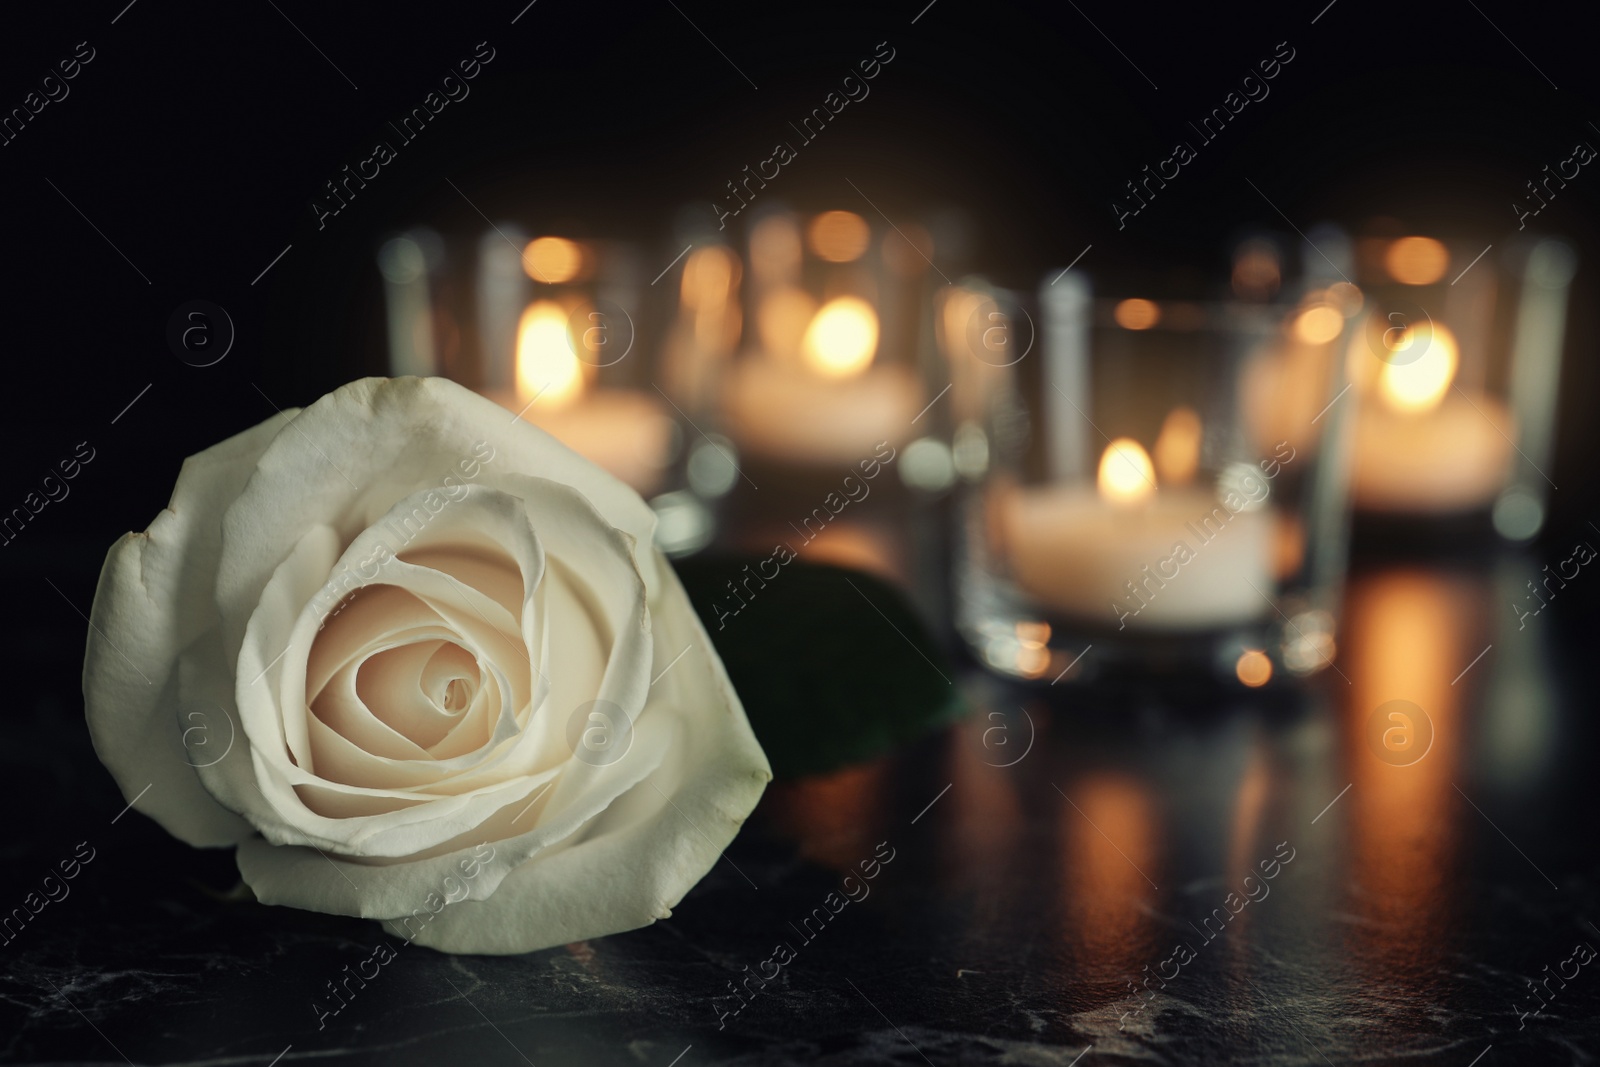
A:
x,y
550,328
833,325
1133,500
1456,371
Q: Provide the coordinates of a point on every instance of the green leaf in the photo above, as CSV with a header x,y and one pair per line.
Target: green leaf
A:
x,y
833,665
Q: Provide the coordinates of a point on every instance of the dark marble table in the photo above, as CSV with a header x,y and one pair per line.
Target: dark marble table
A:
x,y
1038,867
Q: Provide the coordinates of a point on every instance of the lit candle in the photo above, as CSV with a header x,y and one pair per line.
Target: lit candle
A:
x,y
1422,443
832,403
1180,558
625,431
811,391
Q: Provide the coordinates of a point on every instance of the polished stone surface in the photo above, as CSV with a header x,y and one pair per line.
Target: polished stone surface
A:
x,y
1038,867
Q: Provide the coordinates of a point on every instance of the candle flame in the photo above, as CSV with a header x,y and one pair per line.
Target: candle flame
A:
x,y
548,372
1126,476
1419,386
841,340
1178,446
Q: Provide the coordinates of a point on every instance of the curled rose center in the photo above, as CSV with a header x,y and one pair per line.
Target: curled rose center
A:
x,y
421,689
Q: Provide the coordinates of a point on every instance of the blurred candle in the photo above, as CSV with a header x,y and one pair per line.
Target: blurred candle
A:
x,y
625,431
1177,558
404,262
830,405
812,391
1422,443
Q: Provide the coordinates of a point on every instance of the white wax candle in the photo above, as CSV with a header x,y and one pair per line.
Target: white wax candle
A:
x,y
793,414
1453,458
1180,560
626,432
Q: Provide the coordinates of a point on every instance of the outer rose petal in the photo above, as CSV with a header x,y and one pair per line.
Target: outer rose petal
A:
x,y
156,597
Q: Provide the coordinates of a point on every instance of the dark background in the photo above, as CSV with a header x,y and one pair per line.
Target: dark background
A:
x,y
198,137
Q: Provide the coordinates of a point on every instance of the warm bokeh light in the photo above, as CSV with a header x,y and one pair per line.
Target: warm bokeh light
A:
x,y
552,260
1255,270
1137,314
838,236
1253,668
1409,633
1347,298
548,373
709,275
1419,385
775,250
1416,260
909,252
842,338
1318,324
782,319
1110,848
1178,447
1126,476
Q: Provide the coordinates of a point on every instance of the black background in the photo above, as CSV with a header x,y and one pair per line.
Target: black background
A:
x,y
198,137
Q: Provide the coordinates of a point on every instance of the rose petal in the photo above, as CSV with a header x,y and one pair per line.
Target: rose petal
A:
x,y
156,597
636,862
349,457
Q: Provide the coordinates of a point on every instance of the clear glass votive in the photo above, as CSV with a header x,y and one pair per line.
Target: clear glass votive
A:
x,y
1147,487
828,361
1456,369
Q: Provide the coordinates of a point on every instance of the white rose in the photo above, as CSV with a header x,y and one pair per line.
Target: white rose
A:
x,y
443,659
